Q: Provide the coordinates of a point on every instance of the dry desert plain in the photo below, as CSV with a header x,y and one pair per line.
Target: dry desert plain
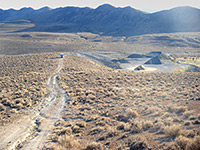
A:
x,y
76,103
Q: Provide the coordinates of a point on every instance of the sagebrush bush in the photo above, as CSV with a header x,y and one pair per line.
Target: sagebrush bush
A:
x,y
2,107
133,103
112,132
94,146
182,142
68,142
138,144
173,131
176,109
65,131
180,109
147,124
23,80
190,133
81,124
194,144
188,113
76,129
132,113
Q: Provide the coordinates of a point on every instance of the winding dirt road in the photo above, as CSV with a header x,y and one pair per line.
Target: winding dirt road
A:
x,y
30,131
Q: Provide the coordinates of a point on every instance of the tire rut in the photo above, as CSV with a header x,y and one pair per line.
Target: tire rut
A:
x,y
30,131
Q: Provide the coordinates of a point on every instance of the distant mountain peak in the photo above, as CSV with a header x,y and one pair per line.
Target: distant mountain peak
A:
x,y
11,9
184,8
46,8
105,7
26,9
107,20
128,7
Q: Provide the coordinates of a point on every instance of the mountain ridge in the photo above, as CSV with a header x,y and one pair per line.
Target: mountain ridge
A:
x,y
107,20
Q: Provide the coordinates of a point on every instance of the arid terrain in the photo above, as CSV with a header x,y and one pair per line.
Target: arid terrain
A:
x,y
84,101
23,82
105,108
114,109
13,42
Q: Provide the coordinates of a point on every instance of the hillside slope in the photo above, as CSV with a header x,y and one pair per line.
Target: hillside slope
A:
x,y
107,20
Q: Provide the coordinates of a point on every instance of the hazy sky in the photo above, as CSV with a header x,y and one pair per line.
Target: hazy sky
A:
x,y
150,5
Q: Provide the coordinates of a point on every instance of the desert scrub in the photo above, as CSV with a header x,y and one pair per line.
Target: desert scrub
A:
x,y
147,124
185,143
176,109
76,129
182,142
173,131
94,146
194,144
138,143
112,132
168,121
190,133
139,125
188,113
2,107
100,123
158,125
63,131
152,109
131,114
81,124
68,142
23,80
96,130
129,102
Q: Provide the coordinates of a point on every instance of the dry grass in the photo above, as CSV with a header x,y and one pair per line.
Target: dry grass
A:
x,y
138,143
194,144
109,106
185,143
182,142
94,146
173,131
68,143
23,82
132,114
99,97
176,109
105,105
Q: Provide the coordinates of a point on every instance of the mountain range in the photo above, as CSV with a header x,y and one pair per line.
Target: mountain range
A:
x,y
107,20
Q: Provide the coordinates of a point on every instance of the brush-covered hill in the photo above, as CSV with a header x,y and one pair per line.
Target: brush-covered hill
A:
x,y
107,20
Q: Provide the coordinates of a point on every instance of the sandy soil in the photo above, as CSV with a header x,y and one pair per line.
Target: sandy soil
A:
x,y
31,130
113,108
107,106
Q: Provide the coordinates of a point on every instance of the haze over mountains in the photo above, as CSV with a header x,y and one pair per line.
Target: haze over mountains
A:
x,y
107,20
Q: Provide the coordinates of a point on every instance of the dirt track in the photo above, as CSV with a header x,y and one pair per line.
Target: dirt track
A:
x,y
31,130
